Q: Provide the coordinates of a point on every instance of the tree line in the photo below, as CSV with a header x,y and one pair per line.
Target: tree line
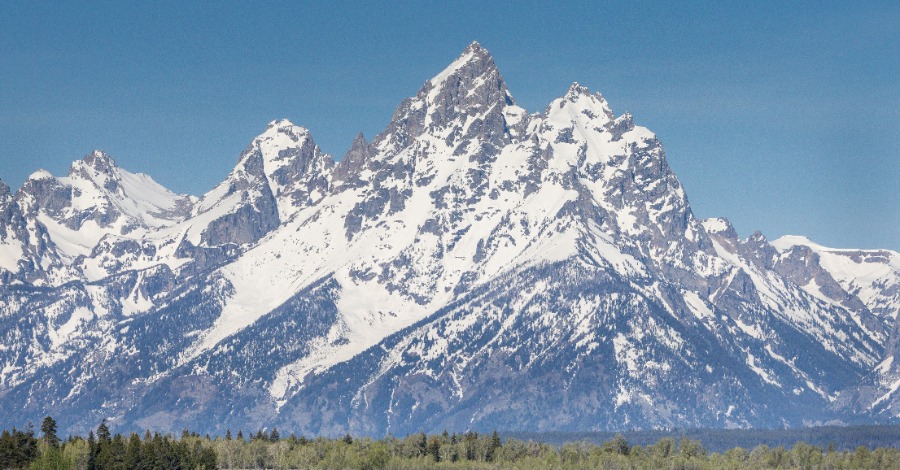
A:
x,y
103,450
719,440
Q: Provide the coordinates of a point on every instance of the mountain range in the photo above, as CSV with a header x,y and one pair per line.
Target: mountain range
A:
x,y
473,266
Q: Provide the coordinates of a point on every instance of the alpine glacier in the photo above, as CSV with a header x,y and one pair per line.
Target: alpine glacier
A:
x,y
473,266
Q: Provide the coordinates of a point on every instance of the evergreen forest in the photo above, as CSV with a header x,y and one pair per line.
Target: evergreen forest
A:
x,y
103,450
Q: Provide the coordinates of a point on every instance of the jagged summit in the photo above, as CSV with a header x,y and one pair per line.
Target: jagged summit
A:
x,y
353,161
576,89
96,162
472,73
282,122
473,61
98,157
583,105
39,175
279,135
359,141
720,226
467,100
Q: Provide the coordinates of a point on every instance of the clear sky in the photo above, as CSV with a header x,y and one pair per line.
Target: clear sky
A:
x,y
783,118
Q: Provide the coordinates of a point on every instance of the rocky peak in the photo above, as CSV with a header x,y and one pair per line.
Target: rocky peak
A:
x,y
297,171
474,71
281,144
98,160
6,205
98,167
353,160
43,191
587,111
7,209
96,189
280,172
471,85
757,249
282,133
592,105
359,147
465,101
720,227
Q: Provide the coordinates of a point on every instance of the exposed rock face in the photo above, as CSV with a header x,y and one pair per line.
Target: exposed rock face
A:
x,y
472,267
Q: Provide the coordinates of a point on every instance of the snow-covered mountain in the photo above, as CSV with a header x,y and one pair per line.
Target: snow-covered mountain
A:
x,y
474,266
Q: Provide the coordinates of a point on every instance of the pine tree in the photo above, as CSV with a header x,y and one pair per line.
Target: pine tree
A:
x,y
6,450
495,440
492,446
274,436
422,443
92,451
114,457
133,452
17,448
228,435
26,446
240,435
434,448
103,436
208,459
618,445
48,428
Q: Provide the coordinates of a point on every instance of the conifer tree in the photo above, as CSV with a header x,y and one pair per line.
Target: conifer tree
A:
x,y
422,443
92,451
434,448
6,449
618,445
113,456
103,436
133,452
48,428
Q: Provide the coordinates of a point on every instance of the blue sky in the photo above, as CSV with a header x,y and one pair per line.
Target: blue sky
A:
x,y
783,118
